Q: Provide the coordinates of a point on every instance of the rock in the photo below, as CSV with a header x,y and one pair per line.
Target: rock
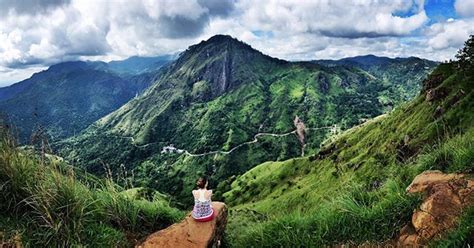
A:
x,y
300,130
190,233
326,151
323,83
438,112
456,98
445,196
428,178
404,151
432,82
436,94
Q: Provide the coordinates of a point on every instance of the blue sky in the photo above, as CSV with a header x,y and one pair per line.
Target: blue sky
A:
x,y
440,10
36,34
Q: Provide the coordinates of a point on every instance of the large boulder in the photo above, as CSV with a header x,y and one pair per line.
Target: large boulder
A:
x,y
190,233
445,197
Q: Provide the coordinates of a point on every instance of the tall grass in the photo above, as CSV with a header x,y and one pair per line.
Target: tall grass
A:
x,y
51,207
357,217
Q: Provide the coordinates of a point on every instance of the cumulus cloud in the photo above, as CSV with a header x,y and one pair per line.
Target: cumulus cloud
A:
x,y
452,33
303,30
336,18
29,6
464,7
56,30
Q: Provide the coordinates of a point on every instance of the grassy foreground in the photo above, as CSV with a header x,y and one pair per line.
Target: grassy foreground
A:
x,y
46,203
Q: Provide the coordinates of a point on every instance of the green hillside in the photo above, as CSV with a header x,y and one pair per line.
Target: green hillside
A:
x,y
47,203
218,95
67,98
353,189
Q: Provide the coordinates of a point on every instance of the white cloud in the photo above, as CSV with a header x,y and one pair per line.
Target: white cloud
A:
x,y
450,34
464,7
65,31
10,76
337,18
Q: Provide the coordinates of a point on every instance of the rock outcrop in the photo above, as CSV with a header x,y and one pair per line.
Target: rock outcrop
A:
x,y
445,196
190,233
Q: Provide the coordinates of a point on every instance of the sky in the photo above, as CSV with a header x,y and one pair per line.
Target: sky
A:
x,y
35,34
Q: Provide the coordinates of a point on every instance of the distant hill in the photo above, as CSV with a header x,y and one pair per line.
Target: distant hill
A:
x,y
69,96
221,93
401,70
138,65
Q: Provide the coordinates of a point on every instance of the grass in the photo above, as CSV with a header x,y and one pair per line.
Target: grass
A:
x,y
357,216
48,204
355,193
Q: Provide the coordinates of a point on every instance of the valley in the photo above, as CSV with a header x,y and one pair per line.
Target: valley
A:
x,y
211,101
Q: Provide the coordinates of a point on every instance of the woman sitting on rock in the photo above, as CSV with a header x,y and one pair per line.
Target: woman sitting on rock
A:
x,y
202,210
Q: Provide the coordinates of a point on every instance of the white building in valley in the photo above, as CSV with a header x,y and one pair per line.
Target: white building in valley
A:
x,y
171,149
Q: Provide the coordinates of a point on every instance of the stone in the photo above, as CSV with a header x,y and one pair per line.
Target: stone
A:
x,y
190,233
445,196
439,111
435,94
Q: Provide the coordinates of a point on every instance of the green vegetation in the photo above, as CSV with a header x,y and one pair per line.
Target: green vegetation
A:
x,y
47,203
352,191
219,94
67,98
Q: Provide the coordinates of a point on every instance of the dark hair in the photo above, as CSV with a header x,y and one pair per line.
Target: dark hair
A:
x,y
201,182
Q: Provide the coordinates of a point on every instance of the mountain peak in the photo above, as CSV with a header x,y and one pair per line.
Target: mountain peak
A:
x,y
221,43
219,62
221,38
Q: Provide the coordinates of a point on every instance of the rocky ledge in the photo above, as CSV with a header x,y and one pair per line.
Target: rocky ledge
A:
x,y
445,196
190,233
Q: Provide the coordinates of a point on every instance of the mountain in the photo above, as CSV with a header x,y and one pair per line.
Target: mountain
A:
x,y
68,97
352,191
401,70
365,60
225,107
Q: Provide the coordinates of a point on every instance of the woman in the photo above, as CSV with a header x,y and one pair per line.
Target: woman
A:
x,y
202,210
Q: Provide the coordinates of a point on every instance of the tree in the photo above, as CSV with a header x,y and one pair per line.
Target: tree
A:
x,y
465,55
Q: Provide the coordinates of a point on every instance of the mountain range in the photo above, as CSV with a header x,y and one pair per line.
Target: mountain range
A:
x,y
227,107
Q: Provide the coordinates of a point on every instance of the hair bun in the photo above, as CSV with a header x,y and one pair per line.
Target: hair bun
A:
x,y
201,182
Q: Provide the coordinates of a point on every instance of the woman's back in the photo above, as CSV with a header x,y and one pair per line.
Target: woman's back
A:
x,y
202,195
202,210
